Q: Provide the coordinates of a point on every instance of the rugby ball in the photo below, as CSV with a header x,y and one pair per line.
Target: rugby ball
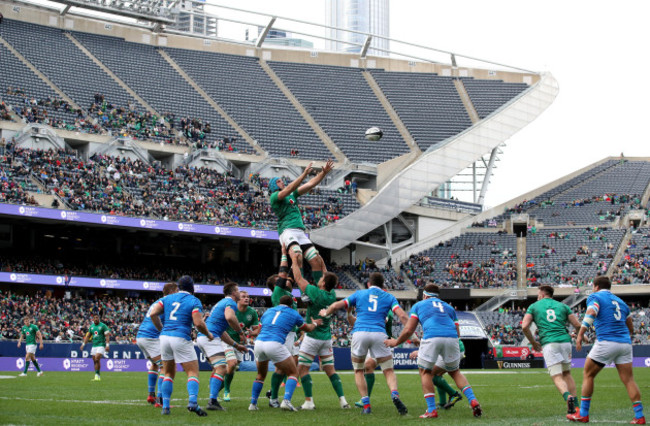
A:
x,y
374,134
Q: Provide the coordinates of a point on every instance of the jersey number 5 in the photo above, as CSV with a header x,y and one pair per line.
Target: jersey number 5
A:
x,y
176,305
373,300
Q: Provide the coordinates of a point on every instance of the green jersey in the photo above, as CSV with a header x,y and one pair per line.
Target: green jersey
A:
x,y
320,299
29,333
99,333
551,318
287,211
246,319
389,324
277,295
461,345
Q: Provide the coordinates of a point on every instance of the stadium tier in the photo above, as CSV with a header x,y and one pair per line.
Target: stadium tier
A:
x,y
634,266
489,95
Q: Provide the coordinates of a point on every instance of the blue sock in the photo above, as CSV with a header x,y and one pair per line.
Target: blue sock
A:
x,y
153,376
365,400
193,390
257,389
585,403
638,409
292,382
430,398
394,394
216,381
160,384
167,389
469,394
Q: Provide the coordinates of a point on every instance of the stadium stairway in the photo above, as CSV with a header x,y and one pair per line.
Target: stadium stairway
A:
x,y
213,104
404,132
467,102
114,77
324,137
619,253
39,74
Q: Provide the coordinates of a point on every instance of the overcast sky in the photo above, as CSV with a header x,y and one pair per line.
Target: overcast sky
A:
x,y
596,50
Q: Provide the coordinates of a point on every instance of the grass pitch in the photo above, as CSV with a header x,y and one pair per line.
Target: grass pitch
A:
x,y
507,397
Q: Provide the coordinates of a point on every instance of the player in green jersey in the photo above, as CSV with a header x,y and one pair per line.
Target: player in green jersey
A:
x,y
248,320
551,318
291,229
100,335
30,333
318,342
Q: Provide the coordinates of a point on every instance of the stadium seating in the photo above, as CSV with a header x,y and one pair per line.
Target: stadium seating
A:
x,y
503,328
341,101
489,95
634,267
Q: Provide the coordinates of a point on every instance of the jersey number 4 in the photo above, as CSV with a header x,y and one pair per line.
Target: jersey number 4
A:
x,y
438,305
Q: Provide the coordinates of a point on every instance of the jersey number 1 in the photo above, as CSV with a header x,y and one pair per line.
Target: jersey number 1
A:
x,y
277,314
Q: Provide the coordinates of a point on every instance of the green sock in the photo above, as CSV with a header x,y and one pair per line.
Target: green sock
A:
x,y
566,395
284,380
316,275
26,367
38,368
276,380
442,396
336,384
442,384
307,386
97,372
370,382
227,382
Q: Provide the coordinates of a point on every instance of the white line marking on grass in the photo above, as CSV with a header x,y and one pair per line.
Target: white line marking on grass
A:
x,y
78,401
8,377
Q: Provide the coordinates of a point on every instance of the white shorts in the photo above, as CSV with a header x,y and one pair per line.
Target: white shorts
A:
x,y
210,348
177,349
439,347
315,347
440,362
293,235
30,349
273,351
98,350
370,342
150,347
289,343
606,352
233,354
557,353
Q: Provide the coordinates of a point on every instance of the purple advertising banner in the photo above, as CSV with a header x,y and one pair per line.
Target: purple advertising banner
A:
x,y
133,222
75,364
63,281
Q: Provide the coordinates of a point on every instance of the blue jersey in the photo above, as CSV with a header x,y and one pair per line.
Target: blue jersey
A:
x,y
438,318
216,322
373,306
611,313
277,322
147,330
178,309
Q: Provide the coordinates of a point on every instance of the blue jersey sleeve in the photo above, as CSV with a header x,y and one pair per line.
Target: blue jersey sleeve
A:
x,y
393,303
197,306
592,302
299,320
414,311
452,313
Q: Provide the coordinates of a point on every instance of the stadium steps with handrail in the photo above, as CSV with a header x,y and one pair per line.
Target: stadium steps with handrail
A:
x,y
213,104
40,74
353,278
407,280
646,196
576,298
397,121
619,253
112,75
467,102
45,198
324,137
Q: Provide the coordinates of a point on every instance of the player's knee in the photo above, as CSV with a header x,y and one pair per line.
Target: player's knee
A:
x,y
358,366
555,370
305,359
327,361
311,254
296,250
386,364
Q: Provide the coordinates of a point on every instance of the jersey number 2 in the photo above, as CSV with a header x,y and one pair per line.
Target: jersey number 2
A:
x,y
176,305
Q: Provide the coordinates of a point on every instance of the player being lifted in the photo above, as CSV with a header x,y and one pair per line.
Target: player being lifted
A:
x,y
551,318
31,334
148,340
100,335
221,317
269,346
614,326
319,341
369,333
440,338
248,320
291,229
180,311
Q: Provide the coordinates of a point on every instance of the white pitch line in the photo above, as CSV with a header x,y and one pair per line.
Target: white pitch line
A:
x,y
115,402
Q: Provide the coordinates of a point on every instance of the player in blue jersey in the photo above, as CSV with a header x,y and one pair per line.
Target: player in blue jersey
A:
x,y
440,338
180,310
611,318
369,332
221,317
276,323
148,340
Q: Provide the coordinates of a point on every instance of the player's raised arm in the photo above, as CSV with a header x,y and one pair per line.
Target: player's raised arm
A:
x,y
341,304
197,318
525,327
156,310
409,329
287,190
316,179
311,326
297,275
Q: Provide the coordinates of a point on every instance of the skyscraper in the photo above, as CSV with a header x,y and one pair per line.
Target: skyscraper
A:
x,y
367,16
